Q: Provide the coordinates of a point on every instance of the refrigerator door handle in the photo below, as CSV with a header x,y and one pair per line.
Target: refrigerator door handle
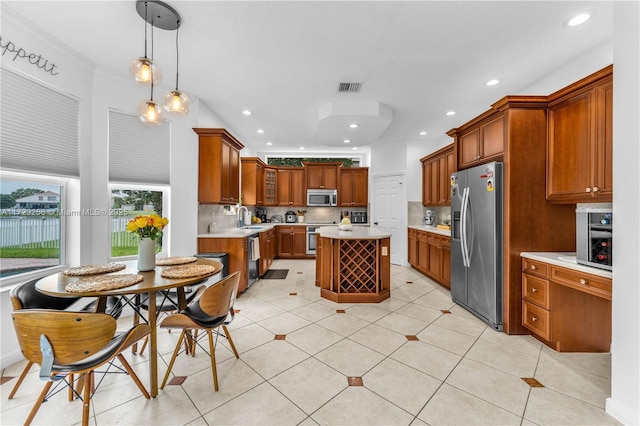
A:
x,y
463,225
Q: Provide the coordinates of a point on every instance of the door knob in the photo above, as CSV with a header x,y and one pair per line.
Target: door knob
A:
x,y
375,223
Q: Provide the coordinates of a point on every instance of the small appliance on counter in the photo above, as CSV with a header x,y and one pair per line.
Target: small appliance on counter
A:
x,y
261,213
276,218
358,217
430,218
290,217
594,237
343,214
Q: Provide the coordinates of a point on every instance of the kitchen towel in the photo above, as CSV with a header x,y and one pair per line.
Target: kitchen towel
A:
x,y
255,253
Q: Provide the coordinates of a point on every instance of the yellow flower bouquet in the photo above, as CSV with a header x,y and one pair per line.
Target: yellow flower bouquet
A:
x,y
150,226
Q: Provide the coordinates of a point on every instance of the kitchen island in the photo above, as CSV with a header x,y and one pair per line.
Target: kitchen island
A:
x,y
353,266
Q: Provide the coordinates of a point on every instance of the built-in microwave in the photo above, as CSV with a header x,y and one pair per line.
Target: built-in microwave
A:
x,y
594,237
322,197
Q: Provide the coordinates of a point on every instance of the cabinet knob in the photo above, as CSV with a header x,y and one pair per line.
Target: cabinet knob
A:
x,y
534,319
534,290
596,189
587,190
583,281
534,268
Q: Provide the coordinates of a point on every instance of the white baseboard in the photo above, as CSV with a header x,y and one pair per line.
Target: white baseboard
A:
x,y
620,414
10,359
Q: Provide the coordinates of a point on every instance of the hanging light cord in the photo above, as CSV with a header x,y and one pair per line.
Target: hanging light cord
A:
x,y
151,68
145,29
177,55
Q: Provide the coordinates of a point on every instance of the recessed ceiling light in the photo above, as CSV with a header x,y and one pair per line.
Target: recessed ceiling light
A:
x,y
302,147
422,133
347,141
269,143
355,148
578,19
492,82
353,125
246,112
260,130
451,113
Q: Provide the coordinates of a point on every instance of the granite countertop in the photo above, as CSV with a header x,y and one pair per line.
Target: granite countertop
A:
x,y
566,260
357,233
256,228
433,229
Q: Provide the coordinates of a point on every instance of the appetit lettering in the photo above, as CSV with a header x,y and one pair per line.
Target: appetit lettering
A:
x,y
34,59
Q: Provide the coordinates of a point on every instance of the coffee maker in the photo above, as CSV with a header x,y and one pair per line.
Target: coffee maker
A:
x,y
261,213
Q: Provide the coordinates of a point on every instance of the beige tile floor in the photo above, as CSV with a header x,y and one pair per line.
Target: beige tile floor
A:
x,y
457,372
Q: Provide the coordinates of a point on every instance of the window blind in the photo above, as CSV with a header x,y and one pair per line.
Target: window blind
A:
x,y
138,153
39,127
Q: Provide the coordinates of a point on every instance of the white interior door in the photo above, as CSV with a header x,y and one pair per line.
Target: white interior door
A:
x,y
388,213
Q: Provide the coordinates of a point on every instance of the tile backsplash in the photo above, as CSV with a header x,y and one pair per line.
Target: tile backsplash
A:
x,y
212,218
416,213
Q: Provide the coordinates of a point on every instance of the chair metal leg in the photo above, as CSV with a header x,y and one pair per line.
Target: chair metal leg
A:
x,y
226,333
20,379
86,397
39,401
173,358
212,351
133,376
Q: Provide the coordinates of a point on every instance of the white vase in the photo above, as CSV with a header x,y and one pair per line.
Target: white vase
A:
x,y
146,255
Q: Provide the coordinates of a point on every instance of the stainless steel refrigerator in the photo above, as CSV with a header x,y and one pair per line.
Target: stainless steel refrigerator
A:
x,y
476,241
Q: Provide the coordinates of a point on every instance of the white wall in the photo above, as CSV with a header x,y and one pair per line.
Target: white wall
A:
x,y
624,403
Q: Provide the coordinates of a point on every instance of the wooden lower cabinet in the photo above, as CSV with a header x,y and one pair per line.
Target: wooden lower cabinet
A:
x,y
267,250
568,310
430,254
237,250
292,241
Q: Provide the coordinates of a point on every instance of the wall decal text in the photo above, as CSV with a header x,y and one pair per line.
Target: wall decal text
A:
x,y
37,60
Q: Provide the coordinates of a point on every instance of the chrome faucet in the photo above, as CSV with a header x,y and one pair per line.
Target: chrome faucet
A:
x,y
240,217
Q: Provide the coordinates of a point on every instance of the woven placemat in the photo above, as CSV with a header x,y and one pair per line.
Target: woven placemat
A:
x,y
175,260
104,282
99,268
188,271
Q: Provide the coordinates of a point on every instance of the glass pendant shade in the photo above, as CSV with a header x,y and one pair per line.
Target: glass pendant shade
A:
x,y
143,70
149,112
176,102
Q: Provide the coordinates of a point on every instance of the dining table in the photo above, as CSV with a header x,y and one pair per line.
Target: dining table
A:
x,y
152,282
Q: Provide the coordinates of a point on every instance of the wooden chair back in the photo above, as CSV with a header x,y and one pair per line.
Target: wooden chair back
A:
x,y
73,335
218,298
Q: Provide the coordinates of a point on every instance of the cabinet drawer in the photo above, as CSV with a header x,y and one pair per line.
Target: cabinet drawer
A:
x,y
592,284
535,267
434,240
536,319
412,232
535,290
446,242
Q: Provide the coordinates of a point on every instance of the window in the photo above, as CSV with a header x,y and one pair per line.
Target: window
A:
x,y
128,201
31,232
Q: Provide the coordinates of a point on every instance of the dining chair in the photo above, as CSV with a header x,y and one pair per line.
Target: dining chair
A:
x,y
26,296
167,302
209,312
65,343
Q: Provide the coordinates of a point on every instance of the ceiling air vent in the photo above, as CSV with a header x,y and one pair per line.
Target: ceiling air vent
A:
x,y
349,87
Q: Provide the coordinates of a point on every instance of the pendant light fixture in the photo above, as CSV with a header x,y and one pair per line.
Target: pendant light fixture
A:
x,y
160,15
175,101
144,69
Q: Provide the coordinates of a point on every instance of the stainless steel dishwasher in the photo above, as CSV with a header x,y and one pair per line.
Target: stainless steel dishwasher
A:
x,y
252,260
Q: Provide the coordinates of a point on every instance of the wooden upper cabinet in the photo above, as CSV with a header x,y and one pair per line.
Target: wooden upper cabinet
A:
x,y
253,181
291,187
322,175
218,167
353,190
482,143
270,186
436,173
580,141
